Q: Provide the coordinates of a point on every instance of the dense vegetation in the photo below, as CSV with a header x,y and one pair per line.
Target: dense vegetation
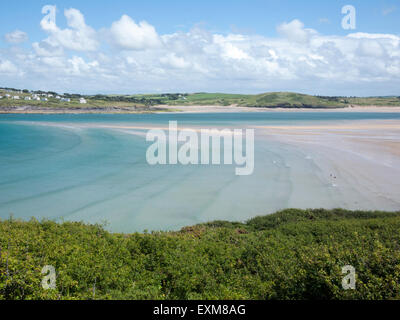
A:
x,y
293,254
143,102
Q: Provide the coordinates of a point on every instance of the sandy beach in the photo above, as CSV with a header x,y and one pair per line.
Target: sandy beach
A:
x,y
300,161
187,109
233,108
360,159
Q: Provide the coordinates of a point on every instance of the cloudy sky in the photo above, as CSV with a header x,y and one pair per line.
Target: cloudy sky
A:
x,y
252,46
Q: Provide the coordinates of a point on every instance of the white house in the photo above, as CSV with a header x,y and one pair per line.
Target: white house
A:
x,y
82,100
1,97
45,99
16,97
65,100
7,95
36,98
50,95
58,97
28,98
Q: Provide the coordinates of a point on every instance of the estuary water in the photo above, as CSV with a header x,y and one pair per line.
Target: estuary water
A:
x,y
93,168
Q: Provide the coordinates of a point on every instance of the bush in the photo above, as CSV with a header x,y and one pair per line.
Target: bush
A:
x,y
293,254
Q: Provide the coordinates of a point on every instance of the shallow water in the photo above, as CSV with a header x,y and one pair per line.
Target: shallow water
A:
x,y
93,168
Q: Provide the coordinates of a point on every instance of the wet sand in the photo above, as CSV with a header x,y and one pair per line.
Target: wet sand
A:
x,y
187,109
233,108
360,159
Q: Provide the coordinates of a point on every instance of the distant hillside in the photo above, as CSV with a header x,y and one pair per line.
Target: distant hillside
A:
x,y
294,100
280,100
266,100
143,102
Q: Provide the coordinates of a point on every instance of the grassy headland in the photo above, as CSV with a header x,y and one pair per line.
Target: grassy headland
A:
x,y
293,254
149,102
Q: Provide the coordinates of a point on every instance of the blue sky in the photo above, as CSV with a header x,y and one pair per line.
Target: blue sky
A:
x,y
248,30
260,16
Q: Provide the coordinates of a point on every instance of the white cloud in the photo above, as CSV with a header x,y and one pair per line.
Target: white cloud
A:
x,y
362,35
16,37
126,34
300,59
78,37
295,31
46,49
77,66
171,60
54,62
371,48
7,67
228,48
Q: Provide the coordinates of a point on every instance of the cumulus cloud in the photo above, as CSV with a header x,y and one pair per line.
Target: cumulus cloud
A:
x,y
371,48
230,47
126,34
171,60
299,59
46,49
78,37
16,37
78,66
7,67
295,31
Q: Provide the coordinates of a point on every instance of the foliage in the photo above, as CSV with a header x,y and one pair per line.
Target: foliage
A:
x,y
293,254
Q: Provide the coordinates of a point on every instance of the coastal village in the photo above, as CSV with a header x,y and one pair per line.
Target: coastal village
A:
x,y
36,96
37,101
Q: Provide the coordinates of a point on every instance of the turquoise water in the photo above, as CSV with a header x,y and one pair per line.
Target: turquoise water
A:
x,y
74,167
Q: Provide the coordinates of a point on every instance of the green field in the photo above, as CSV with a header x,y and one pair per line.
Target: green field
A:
x,y
284,100
148,101
293,254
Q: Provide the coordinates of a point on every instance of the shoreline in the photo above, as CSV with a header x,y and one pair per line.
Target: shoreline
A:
x,y
234,109
194,109
352,163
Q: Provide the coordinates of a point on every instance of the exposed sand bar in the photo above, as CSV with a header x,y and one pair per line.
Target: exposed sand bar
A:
x,y
233,108
360,159
342,125
353,164
188,109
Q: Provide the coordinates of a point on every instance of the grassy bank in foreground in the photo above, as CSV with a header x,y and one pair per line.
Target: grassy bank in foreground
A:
x,y
293,254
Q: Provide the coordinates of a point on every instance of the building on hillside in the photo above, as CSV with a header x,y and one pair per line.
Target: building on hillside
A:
x,y
65,100
7,96
45,99
16,97
1,97
58,97
36,98
82,101
28,98
50,96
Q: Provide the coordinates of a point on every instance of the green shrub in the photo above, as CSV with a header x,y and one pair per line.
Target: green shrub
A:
x,y
293,254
